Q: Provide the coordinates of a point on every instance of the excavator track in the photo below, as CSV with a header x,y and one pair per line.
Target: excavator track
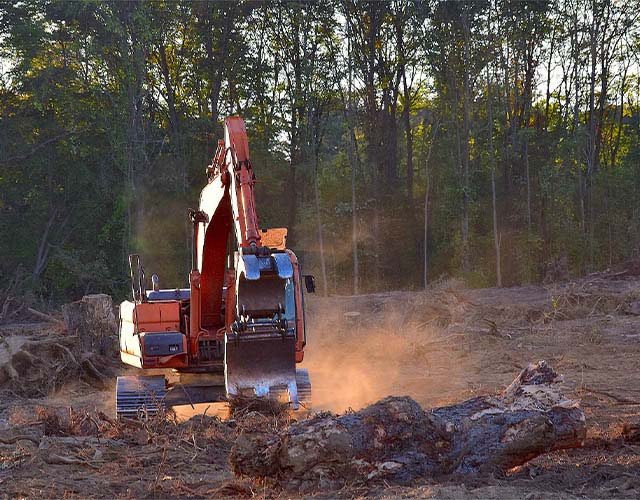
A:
x,y
140,397
146,397
304,388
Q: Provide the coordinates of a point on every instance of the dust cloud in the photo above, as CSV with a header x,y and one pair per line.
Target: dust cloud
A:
x,y
361,349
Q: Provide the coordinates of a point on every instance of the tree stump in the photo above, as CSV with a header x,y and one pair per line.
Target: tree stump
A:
x,y
397,441
93,320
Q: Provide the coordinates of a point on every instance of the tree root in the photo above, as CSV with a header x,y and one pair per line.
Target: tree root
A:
x,y
396,441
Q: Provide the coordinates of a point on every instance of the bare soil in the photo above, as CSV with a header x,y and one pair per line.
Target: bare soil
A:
x,y
438,347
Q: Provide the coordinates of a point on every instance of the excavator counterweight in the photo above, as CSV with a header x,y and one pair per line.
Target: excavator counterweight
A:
x,y
240,323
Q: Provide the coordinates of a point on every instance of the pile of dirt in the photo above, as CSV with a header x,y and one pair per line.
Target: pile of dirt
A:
x,y
241,405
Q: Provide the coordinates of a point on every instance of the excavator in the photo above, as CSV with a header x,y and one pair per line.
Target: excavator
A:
x,y
239,328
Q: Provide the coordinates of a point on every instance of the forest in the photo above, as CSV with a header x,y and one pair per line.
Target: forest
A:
x,y
401,142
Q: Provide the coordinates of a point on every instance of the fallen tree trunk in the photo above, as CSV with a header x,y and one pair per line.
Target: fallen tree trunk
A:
x,y
398,441
46,317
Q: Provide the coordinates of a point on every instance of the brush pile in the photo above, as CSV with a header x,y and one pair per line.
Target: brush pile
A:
x,y
85,453
241,405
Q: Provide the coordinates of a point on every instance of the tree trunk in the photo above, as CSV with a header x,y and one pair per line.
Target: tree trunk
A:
x,y
316,190
354,161
466,257
171,101
354,222
425,259
217,56
576,126
547,101
427,174
591,155
406,110
492,166
396,441
530,68
44,247
525,153
406,114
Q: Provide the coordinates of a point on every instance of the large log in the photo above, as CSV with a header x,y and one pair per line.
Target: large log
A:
x,y
398,441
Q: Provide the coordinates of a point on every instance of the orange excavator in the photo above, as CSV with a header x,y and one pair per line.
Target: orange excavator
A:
x,y
239,328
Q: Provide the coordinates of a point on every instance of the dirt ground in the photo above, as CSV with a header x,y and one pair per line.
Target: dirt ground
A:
x,y
442,346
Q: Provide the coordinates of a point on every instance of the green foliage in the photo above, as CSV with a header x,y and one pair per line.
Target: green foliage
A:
x,y
110,111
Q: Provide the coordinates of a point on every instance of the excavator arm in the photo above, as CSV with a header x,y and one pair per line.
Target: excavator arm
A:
x,y
262,302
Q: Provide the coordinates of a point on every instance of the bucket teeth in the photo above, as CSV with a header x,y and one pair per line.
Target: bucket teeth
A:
x,y
140,397
303,389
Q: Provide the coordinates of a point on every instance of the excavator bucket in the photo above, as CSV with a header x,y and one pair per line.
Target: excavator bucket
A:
x,y
260,351
262,364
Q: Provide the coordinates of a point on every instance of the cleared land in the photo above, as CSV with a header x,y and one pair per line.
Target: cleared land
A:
x,y
439,347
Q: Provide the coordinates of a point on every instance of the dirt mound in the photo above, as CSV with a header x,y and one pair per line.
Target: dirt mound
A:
x,y
240,406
